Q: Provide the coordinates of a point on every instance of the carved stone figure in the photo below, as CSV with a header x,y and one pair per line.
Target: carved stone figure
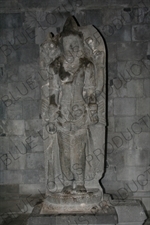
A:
x,y
73,115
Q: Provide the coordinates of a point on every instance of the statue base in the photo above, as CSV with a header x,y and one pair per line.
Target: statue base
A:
x,y
72,203
129,212
74,220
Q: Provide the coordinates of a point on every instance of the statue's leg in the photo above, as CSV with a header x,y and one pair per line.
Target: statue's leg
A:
x,y
49,162
79,159
65,160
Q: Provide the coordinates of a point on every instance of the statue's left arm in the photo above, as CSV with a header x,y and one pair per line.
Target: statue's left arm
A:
x,y
89,93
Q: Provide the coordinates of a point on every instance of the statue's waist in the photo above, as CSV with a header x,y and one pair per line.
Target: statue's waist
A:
x,y
74,108
72,102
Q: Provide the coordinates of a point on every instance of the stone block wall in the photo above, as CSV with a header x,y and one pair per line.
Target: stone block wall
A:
x,y
125,26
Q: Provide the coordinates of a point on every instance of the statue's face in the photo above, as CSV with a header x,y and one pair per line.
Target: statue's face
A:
x,y
73,48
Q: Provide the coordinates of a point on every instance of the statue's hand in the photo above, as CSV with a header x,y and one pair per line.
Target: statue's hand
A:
x,y
53,112
61,120
93,108
94,117
52,128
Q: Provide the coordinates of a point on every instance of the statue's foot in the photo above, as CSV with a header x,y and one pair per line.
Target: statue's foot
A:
x,y
67,189
80,189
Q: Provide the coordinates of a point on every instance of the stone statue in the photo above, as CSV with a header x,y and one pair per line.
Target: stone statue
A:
x,y
73,115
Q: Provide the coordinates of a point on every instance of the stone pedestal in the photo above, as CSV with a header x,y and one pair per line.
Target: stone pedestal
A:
x,y
119,212
130,212
86,202
101,219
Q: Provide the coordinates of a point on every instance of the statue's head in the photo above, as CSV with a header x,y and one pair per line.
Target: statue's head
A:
x,y
71,39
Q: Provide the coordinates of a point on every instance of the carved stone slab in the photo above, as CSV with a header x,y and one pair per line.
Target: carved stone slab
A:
x,y
73,67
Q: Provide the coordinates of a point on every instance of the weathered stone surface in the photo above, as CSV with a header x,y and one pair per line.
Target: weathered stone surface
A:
x,y
122,124
139,13
112,186
38,4
11,20
16,161
116,141
33,189
12,177
3,164
110,174
19,145
141,158
3,111
45,19
26,53
2,57
28,71
130,212
111,122
97,3
35,161
112,70
74,219
123,34
14,207
3,75
12,188
141,32
124,106
22,91
136,51
133,125
131,70
146,202
15,111
2,177
143,106
123,157
4,92
31,110
142,140
112,18
35,125
143,193
145,3
24,36
112,56
106,215
41,33
146,87
131,173
43,220
93,17
111,107
147,18
11,73
6,37
133,88
121,207
4,146
15,127
33,176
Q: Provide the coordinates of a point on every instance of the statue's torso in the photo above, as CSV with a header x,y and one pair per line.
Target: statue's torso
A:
x,y
72,89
